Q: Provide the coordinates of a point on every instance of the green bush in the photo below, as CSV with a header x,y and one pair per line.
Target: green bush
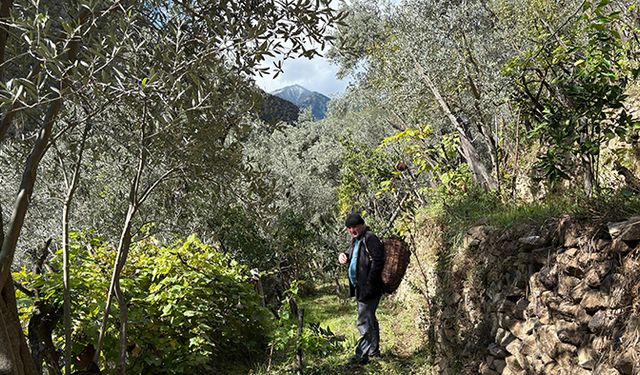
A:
x,y
191,308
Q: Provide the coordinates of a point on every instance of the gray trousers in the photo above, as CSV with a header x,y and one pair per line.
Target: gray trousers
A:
x,y
369,343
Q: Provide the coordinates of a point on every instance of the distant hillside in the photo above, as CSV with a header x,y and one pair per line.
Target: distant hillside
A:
x,y
304,98
275,109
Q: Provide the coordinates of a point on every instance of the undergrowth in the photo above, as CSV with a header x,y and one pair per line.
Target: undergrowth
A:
x,y
401,341
459,212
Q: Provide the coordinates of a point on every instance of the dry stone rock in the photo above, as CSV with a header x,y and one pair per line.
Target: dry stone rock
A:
x,y
513,367
499,365
504,338
522,329
521,307
569,332
548,341
572,251
632,230
479,232
619,293
485,369
627,363
567,350
620,247
530,347
586,357
514,346
602,320
618,229
497,351
550,368
571,235
548,277
596,274
605,369
603,244
576,312
532,242
580,290
594,300
569,265
566,284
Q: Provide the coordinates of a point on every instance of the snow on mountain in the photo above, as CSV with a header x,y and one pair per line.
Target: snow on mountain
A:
x,y
304,98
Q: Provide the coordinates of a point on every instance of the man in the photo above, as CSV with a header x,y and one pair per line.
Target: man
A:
x,y
365,259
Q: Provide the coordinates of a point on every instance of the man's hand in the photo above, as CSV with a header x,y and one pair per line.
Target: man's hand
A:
x,y
342,258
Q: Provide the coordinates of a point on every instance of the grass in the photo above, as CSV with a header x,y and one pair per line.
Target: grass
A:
x,y
401,341
458,213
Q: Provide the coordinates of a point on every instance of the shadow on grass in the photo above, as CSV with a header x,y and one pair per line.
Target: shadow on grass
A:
x,y
389,363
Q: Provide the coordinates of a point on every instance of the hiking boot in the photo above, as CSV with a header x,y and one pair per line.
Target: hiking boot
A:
x,y
375,357
356,360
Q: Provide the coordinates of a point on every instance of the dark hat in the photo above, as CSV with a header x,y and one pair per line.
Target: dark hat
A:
x,y
353,219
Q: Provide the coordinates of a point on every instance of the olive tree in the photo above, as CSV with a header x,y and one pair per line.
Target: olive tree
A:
x,y
58,56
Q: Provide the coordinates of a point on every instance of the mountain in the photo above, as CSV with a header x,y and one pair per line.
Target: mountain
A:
x,y
304,98
275,109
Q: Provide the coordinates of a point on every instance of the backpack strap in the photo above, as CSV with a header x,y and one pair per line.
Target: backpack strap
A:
x,y
366,248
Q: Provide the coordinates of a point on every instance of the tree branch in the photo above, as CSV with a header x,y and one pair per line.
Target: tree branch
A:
x,y
24,289
5,11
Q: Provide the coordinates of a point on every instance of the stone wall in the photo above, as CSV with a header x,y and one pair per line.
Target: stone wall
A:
x,y
562,298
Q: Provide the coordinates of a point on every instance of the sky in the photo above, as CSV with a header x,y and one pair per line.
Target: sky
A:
x,y
317,74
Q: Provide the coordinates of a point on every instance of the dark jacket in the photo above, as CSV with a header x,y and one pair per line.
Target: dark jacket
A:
x,y
368,267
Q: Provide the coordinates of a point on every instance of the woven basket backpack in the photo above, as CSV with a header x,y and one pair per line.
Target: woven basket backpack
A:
x,y
396,260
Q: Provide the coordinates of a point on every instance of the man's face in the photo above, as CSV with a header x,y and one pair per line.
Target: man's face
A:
x,y
355,230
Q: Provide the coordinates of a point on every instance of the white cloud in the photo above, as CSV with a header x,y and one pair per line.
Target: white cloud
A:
x,y
317,74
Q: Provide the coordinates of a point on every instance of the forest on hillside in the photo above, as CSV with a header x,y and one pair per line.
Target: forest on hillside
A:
x,y
141,196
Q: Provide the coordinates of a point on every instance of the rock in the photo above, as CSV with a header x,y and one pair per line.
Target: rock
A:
x,y
566,284
504,338
626,230
571,236
594,300
602,320
580,291
550,299
572,251
548,340
577,312
530,347
486,370
506,306
631,233
605,369
596,274
499,365
514,346
521,307
586,357
619,293
551,368
569,332
569,265
567,350
497,351
548,277
479,232
522,329
505,320
513,367
626,362
532,242
620,247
